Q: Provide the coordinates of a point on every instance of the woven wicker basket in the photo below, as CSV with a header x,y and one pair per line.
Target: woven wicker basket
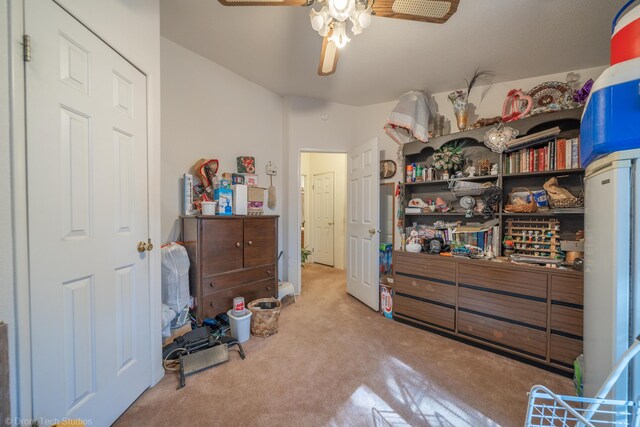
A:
x,y
575,202
530,207
264,322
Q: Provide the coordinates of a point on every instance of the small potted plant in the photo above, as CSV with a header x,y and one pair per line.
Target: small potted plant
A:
x,y
449,158
304,255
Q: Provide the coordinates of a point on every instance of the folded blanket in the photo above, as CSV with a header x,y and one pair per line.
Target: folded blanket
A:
x,y
409,120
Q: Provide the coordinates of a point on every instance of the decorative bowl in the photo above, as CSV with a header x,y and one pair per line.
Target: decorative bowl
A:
x,y
414,247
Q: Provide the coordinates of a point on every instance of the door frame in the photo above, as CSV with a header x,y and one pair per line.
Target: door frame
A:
x,y
294,226
333,207
20,355
393,211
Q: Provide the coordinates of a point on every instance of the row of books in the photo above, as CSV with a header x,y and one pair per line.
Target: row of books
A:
x,y
485,240
485,237
558,154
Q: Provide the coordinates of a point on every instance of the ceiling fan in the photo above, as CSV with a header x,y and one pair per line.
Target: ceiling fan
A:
x,y
333,17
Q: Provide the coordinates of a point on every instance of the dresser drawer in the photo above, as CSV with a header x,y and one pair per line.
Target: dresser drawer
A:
x,y
229,280
222,301
566,319
427,266
519,309
424,288
507,280
567,289
428,313
503,333
564,350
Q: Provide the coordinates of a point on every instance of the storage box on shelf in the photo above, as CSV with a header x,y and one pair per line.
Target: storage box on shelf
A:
x,y
529,311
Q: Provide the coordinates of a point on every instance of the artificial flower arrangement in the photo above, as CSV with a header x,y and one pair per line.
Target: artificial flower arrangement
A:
x,y
449,157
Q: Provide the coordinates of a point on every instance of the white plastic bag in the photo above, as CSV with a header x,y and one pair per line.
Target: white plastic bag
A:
x,y
167,316
175,277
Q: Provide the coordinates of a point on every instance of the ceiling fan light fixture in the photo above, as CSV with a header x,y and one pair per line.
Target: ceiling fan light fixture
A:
x,y
339,35
340,10
320,20
364,17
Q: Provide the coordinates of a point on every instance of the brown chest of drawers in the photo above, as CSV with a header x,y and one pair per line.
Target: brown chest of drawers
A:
x,y
231,256
531,312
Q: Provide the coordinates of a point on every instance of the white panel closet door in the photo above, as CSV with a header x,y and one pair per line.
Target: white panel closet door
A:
x,y
363,210
323,226
87,183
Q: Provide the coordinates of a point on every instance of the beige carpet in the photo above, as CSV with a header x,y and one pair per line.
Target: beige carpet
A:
x,y
335,362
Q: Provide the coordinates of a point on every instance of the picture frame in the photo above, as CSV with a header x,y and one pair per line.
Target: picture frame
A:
x,y
387,169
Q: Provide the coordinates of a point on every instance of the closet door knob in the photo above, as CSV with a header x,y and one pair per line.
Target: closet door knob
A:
x,y
238,245
250,243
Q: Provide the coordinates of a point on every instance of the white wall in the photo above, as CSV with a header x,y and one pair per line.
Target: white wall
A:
x,y
132,28
317,163
487,99
309,125
211,112
7,312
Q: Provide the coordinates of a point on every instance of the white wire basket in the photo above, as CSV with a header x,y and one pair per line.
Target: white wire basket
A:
x,y
547,409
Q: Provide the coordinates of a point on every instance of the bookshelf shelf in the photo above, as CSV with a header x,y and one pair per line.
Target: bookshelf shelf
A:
x,y
543,173
546,213
443,214
446,181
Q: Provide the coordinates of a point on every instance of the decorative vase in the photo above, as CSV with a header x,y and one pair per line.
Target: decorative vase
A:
x,y
462,115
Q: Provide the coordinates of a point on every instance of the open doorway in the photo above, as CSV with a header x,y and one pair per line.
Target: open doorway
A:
x,y
323,196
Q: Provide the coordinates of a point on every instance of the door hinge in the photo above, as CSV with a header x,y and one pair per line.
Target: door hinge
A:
x,y
26,47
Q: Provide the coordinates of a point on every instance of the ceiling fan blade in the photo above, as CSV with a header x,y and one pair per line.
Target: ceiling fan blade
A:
x,y
328,57
436,11
263,2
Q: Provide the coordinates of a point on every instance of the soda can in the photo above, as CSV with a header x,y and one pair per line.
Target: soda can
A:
x,y
238,306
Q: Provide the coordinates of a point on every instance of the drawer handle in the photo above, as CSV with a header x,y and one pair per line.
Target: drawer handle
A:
x,y
269,273
268,288
250,243
238,245
212,304
212,285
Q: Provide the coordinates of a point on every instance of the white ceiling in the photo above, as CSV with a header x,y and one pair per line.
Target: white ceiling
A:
x,y
276,47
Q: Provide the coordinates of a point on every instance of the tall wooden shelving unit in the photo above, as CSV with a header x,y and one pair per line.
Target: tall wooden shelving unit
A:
x,y
530,312
572,179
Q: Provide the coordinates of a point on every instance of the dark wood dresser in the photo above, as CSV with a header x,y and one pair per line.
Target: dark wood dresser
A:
x,y
531,312
231,256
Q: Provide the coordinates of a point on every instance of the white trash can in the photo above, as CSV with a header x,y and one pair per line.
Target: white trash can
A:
x,y
240,325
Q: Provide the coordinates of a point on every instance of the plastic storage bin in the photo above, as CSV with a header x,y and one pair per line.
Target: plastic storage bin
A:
x,y
240,325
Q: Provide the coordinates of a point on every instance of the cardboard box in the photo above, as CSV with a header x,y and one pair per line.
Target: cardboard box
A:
x,y
224,197
386,301
250,179
239,199
255,200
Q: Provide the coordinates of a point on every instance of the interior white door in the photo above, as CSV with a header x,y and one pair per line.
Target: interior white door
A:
x,y
362,226
323,218
87,183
